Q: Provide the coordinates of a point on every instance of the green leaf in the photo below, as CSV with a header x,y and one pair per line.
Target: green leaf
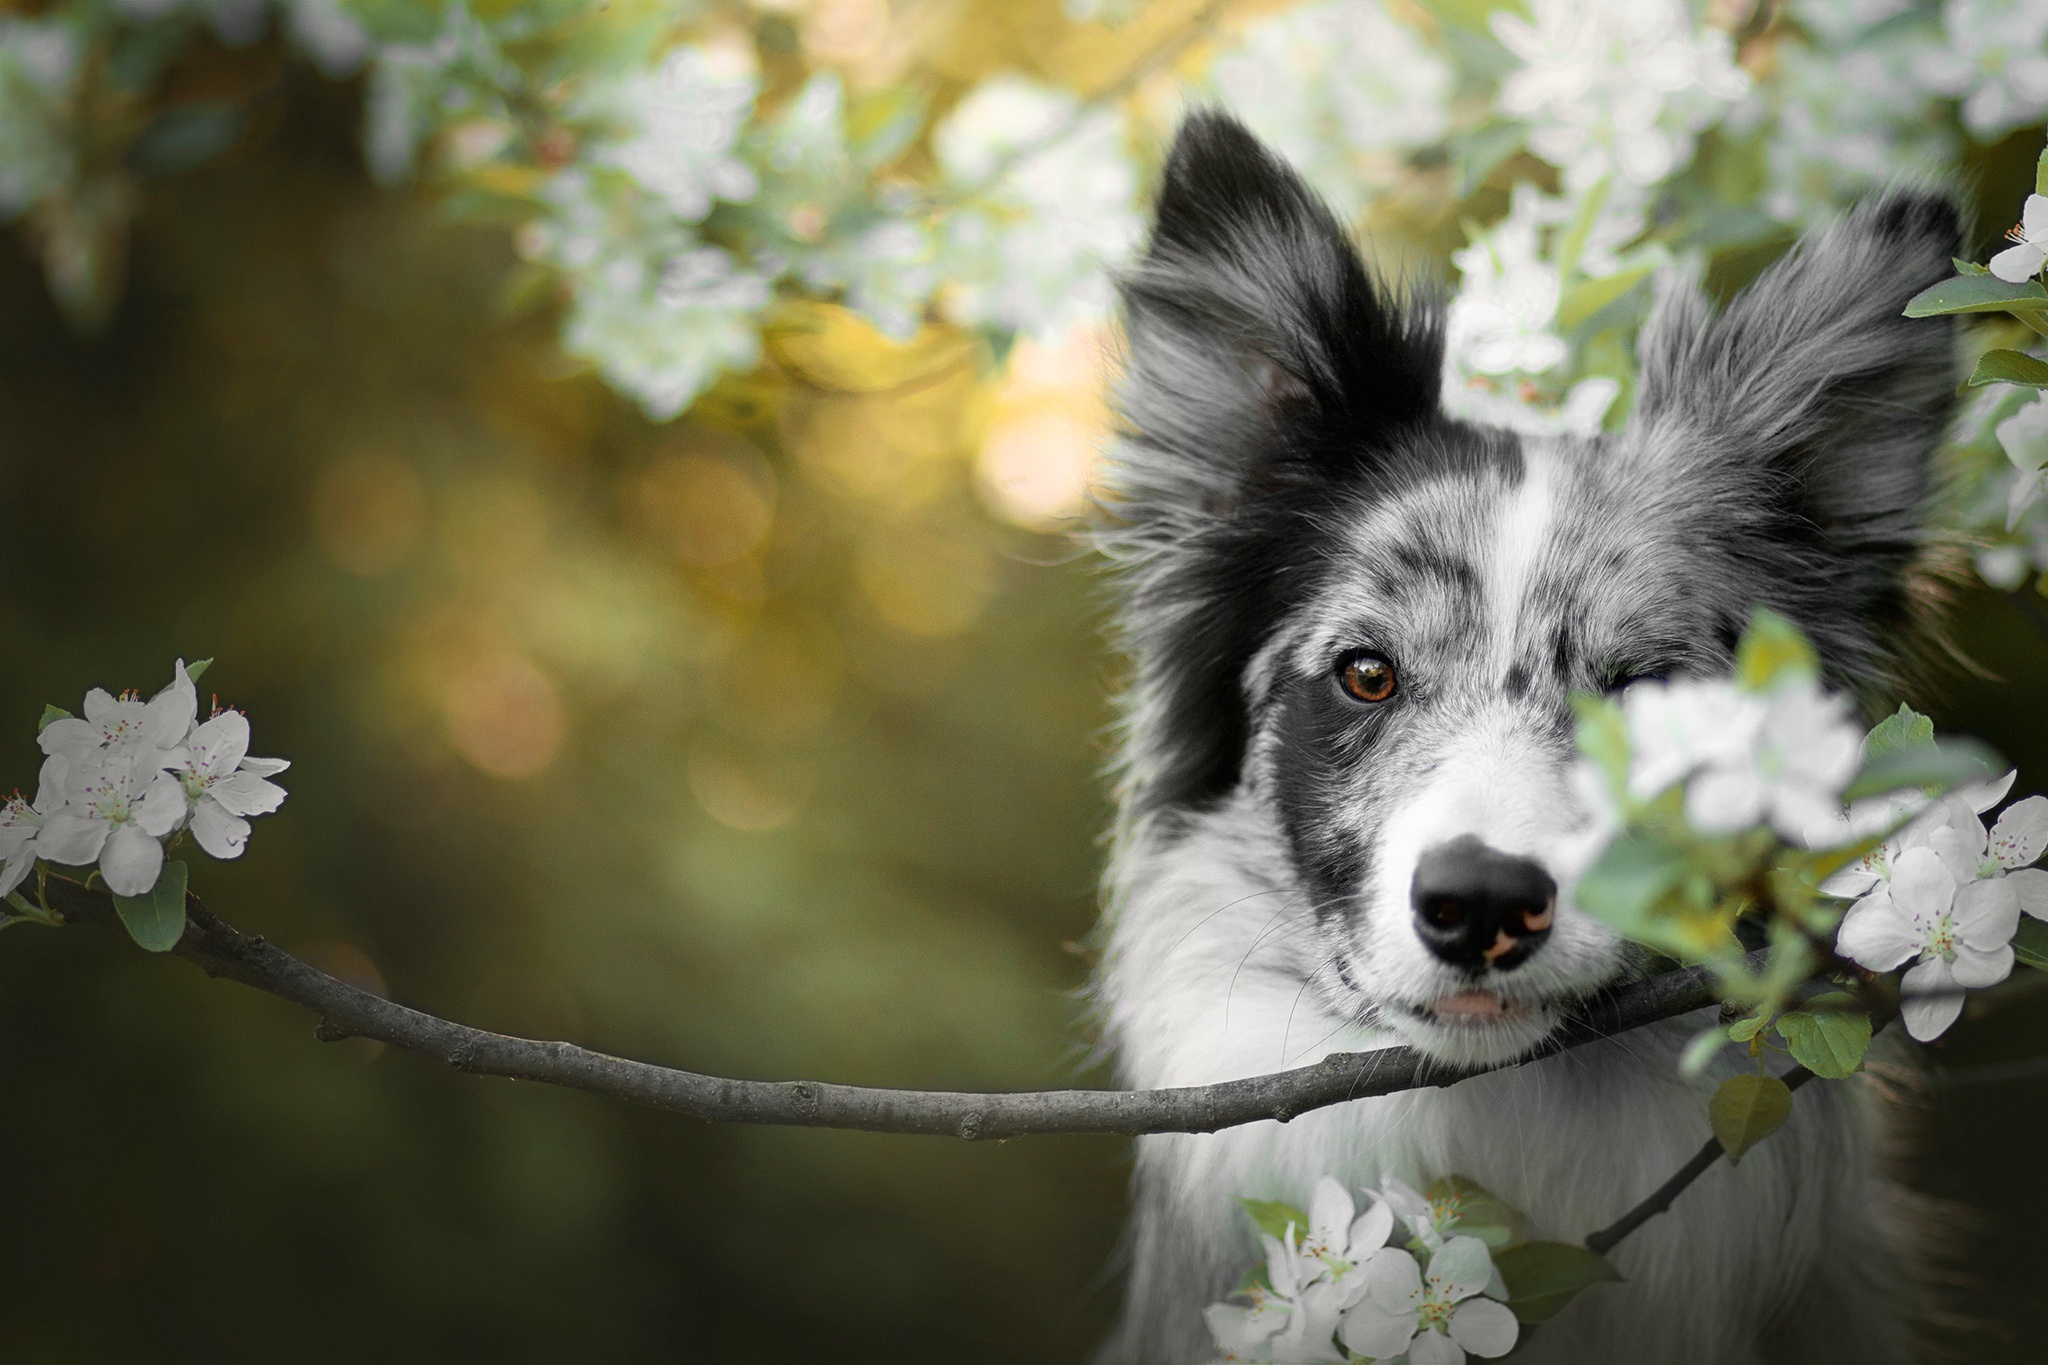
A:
x,y
1746,1028
1625,883
156,919
1978,294
1701,1050
1542,1277
2009,367
1903,730
1964,267
1272,1216
1477,1211
1746,1110
1944,764
1483,153
51,715
2030,944
1603,736
1585,299
1772,650
193,671
1828,1037
2041,174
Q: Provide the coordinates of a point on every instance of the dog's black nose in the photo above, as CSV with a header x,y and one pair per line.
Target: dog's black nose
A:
x,y
1477,907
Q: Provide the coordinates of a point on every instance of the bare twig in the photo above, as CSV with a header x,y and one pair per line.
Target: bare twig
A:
x,y
346,1011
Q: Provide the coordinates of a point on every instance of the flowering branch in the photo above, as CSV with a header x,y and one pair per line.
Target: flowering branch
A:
x,y
345,1011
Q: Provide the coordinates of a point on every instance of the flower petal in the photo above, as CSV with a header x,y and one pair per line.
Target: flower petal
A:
x,y
1922,885
2021,832
1722,800
219,746
1369,1232
1434,1348
2030,884
16,870
1329,1216
1373,1332
1484,1328
162,806
99,706
130,861
1959,852
1461,1269
1987,913
220,834
2018,264
1982,796
1929,999
245,793
1237,1329
1280,1269
265,767
71,839
1393,1280
1876,935
1980,967
68,736
2034,218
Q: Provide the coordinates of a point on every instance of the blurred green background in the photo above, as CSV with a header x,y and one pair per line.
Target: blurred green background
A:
x,y
749,743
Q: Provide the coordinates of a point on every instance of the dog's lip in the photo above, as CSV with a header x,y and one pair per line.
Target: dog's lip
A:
x,y
1473,1006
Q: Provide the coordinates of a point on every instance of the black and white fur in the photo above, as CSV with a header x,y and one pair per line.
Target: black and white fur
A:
x,y
1288,490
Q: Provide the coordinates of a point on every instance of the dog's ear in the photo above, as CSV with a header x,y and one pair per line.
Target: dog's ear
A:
x,y
1264,368
1799,427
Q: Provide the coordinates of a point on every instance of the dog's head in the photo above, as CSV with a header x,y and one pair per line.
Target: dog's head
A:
x,y
1369,617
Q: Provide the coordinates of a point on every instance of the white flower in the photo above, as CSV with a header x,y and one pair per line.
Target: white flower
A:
x,y
1675,727
119,804
1956,937
1500,320
1803,754
1995,60
21,823
688,115
1053,193
1435,1317
2023,260
1294,1315
2024,435
224,785
1615,88
160,723
1340,89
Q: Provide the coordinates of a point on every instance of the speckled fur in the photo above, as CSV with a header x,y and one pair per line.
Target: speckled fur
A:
x,y
1288,490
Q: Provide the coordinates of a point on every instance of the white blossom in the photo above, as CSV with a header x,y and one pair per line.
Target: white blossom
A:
x,y
1615,89
1293,1315
1340,89
119,803
1956,936
1435,1316
22,821
1052,202
2023,260
1995,59
686,118
1500,320
2024,438
224,784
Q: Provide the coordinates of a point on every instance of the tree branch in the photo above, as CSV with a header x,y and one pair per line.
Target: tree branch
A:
x,y
346,1011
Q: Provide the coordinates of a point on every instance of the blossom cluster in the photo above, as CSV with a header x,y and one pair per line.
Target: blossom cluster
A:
x,y
130,776
1943,896
1338,1286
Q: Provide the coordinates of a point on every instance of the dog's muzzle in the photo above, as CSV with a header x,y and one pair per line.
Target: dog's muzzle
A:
x,y
1476,907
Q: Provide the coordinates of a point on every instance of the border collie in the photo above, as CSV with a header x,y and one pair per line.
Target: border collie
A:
x,y
1356,623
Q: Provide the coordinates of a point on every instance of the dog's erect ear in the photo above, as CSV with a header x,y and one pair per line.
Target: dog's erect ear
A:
x,y
1250,322
1800,425
1264,369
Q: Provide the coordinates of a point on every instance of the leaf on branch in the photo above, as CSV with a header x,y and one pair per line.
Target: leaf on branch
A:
x,y
2030,944
1939,766
1772,651
1903,729
51,715
2041,174
193,672
1746,1028
1829,1036
1746,1110
1964,267
1978,294
1272,1216
1603,736
156,919
1542,1277
2009,367
1480,1212
1626,882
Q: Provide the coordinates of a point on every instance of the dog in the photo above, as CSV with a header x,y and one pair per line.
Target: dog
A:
x,y
1345,817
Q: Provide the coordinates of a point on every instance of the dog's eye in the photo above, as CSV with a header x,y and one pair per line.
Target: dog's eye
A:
x,y
1366,676
1619,679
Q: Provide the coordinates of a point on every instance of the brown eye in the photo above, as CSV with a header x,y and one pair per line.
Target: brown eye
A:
x,y
1367,677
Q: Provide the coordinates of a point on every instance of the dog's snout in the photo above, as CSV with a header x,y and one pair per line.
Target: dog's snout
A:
x,y
1476,907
